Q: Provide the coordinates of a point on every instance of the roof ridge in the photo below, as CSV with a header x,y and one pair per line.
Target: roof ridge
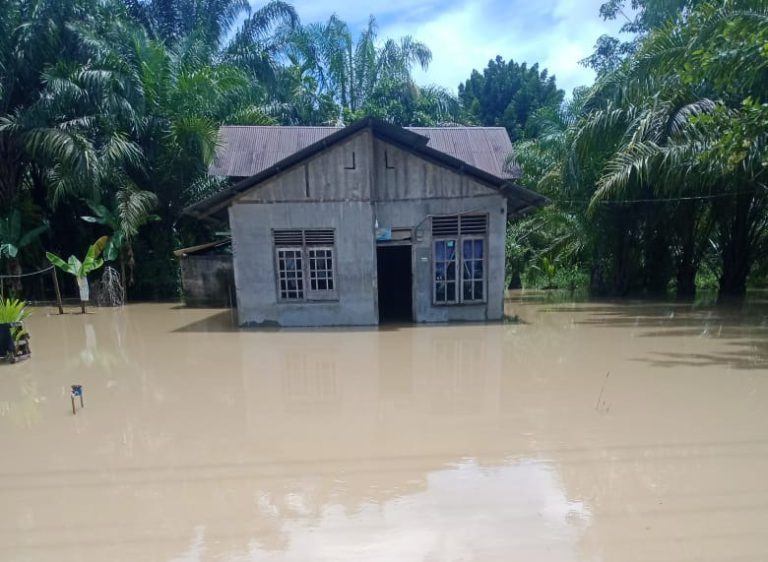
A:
x,y
471,127
468,127
281,127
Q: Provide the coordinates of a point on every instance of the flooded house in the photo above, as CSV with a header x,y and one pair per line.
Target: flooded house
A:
x,y
207,279
366,223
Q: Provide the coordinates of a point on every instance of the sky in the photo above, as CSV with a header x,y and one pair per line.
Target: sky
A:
x,y
466,34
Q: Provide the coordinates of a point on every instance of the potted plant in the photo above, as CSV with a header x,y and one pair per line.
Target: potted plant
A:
x,y
14,340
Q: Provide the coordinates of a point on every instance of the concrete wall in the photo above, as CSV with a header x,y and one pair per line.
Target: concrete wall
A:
x,y
417,214
208,280
257,301
335,189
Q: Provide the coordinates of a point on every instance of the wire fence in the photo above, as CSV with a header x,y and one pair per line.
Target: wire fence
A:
x,y
40,291
30,274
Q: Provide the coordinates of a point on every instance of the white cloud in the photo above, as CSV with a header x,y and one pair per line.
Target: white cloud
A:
x,y
356,12
466,34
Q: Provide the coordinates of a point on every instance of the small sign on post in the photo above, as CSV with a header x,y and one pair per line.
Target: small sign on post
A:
x,y
77,390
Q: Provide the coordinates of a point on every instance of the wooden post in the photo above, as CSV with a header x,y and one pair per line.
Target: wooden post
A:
x,y
123,279
76,390
56,288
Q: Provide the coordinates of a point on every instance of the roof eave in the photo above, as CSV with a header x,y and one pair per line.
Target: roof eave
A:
x,y
209,208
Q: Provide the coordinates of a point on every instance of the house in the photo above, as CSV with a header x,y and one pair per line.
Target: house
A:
x,y
207,277
355,225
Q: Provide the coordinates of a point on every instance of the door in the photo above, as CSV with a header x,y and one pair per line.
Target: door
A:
x,y
395,283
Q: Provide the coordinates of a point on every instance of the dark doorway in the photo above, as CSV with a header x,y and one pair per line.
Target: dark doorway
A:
x,y
395,281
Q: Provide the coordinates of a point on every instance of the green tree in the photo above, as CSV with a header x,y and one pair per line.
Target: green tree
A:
x,y
14,238
640,18
352,72
705,155
185,95
132,210
508,94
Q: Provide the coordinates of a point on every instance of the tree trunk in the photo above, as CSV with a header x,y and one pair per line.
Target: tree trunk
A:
x,y
515,282
658,264
686,280
14,268
82,285
10,172
737,255
688,261
733,280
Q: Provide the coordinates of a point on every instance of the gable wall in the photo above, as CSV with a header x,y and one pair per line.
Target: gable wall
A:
x,y
400,174
340,173
364,168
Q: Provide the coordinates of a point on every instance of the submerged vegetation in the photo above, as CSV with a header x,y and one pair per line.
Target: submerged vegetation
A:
x,y
81,269
109,113
657,173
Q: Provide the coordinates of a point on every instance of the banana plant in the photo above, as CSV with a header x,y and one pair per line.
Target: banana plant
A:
x,y
81,269
132,210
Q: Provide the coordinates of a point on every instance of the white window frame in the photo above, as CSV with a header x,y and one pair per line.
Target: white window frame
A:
x,y
282,275
329,275
484,240
459,260
307,293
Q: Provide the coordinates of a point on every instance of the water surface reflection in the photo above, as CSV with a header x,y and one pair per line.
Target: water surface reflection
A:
x,y
592,431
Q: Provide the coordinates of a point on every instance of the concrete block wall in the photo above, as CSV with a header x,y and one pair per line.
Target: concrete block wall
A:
x,y
351,187
417,214
355,268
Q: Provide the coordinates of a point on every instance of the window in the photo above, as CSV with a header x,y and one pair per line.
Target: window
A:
x,y
291,274
305,255
459,258
320,269
445,271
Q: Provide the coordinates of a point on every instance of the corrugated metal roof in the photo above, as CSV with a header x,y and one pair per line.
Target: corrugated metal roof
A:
x,y
192,250
245,151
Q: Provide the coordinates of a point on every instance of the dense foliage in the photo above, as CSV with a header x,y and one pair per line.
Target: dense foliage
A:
x,y
659,169
109,114
508,95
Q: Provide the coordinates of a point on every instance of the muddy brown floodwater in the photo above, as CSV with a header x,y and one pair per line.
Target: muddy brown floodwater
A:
x,y
589,432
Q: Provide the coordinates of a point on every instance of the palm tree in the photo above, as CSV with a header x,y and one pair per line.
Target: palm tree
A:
x,y
185,95
562,233
679,144
133,209
208,25
257,45
350,70
13,239
50,98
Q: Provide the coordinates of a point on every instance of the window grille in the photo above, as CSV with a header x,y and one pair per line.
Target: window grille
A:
x,y
290,273
459,249
305,264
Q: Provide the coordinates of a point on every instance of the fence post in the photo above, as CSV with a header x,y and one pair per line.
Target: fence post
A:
x,y
56,288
